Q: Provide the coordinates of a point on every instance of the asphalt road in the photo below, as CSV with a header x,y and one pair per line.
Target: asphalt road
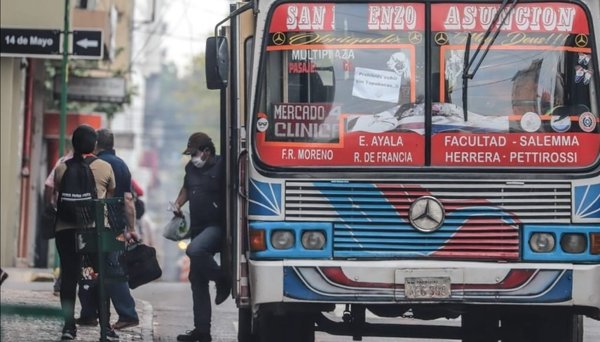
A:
x,y
172,303
172,307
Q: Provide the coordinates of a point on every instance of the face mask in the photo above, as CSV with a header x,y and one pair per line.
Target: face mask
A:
x,y
198,162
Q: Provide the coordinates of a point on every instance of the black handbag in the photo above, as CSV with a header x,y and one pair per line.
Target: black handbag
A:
x,y
140,264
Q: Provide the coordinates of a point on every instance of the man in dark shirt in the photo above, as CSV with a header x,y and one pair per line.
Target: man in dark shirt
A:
x,y
123,218
203,186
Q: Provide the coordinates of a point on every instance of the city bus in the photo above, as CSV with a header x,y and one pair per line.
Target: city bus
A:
x,y
424,159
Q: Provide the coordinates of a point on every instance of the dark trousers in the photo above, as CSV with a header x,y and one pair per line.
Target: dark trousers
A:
x,y
117,291
70,271
203,268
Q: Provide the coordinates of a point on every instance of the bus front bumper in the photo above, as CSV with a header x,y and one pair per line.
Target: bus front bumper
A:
x,y
411,281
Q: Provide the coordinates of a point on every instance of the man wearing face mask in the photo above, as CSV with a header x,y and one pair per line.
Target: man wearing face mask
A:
x,y
203,186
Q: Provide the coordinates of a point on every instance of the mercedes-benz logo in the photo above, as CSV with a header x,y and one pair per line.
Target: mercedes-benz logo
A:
x,y
278,38
426,214
414,37
581,40
441,38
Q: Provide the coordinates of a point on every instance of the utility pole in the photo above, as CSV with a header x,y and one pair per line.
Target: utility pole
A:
x,y
63,83
63,97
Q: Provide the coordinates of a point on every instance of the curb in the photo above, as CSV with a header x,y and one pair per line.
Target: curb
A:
x,y
22,274
147,320
41,310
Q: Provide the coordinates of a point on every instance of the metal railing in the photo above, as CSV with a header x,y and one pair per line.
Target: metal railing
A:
x,y
102,239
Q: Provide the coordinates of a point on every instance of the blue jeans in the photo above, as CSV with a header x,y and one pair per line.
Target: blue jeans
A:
x,y
203,268
117,291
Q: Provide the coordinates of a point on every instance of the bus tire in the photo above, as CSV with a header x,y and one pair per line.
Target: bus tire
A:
x,y
290,327
245,326
541,327
269,327
561,327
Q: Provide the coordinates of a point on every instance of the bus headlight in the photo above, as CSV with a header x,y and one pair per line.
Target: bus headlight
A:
x,y
282,239
542,242
313,239
573,243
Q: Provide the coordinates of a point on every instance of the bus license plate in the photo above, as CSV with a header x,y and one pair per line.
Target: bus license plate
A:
x,y
425,288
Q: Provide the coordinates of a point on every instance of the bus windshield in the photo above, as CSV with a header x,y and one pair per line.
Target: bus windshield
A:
x,y
345,86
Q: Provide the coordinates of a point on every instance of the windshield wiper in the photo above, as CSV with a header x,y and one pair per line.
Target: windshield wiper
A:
x,y
465,82
468,62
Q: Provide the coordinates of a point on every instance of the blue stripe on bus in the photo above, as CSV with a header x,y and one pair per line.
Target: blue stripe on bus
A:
x,y
264,199
587,201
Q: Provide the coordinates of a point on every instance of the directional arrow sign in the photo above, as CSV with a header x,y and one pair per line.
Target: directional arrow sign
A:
x,y
87,44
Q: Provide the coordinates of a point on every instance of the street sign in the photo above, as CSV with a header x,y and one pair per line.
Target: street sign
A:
x,y
16,42
87,44
94,89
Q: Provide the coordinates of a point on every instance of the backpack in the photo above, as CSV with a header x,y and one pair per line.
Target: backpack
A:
x,y
76,192
140,206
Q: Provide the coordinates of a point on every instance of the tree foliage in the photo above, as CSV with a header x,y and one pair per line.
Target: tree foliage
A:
x,y
178,104
183,104
201,104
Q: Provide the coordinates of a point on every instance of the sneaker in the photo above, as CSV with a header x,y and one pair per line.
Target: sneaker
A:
x,y
195,336
69,333
3,276
111,335
56,286
125,324
223,290
90,322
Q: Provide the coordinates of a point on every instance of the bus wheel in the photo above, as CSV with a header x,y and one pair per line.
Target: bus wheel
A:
x,y
566,327
544,327
245,326
291,327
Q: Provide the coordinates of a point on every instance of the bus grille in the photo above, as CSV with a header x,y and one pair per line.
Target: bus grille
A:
x,y
482,219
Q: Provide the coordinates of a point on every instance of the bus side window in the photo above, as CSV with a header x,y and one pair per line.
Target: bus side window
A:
x,y
314,87
322,85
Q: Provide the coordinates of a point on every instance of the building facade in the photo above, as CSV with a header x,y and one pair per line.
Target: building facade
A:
x,y
29,129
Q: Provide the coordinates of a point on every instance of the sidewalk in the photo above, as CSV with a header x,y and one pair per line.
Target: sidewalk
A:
x,y
30,311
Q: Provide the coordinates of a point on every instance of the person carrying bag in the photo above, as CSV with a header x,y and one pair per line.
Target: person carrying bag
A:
x,y
204,187
177,228
140,263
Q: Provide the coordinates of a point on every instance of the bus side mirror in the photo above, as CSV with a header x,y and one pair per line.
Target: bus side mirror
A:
x,y
217,63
